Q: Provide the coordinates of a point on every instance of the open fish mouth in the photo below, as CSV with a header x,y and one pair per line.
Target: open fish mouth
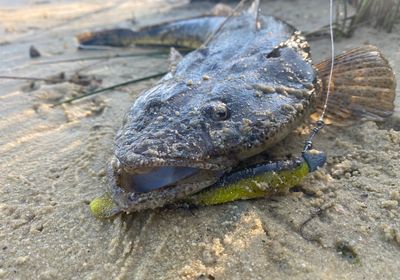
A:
x,y
150,186
153,178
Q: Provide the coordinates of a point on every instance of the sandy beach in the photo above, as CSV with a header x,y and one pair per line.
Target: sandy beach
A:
x,y
53,161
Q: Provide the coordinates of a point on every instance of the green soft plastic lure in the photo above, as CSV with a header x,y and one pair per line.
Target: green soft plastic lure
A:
x,y
260,180
252,182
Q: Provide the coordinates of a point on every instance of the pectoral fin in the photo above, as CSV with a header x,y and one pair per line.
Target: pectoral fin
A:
x,y
363,86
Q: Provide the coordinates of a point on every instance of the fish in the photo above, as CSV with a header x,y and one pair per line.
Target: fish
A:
x,y
249,82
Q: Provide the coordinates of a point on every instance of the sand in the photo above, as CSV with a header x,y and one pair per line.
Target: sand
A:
x,y
53,163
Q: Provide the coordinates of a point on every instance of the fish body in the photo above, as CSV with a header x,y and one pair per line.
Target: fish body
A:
x,y
190,33
238,94
225,102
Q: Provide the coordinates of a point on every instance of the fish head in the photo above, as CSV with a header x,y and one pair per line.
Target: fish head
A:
x,y
167,147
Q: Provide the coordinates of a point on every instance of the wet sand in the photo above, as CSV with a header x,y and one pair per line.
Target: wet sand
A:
x,y
53,163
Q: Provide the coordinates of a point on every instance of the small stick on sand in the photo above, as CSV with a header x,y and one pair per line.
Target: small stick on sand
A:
x,y
150,54
26,78
110,88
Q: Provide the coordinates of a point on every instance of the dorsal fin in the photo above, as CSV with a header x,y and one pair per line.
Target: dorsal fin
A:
x,y
254,8
254,11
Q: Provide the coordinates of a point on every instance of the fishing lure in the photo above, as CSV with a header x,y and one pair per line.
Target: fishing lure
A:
x,y
260,180
256,181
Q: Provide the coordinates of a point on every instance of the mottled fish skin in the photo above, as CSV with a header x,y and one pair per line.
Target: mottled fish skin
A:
x,y
240,94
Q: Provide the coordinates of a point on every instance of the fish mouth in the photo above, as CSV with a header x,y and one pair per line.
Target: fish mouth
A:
x,y
160,174
152,178
154,185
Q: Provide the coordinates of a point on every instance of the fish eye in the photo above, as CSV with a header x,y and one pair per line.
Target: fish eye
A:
x,y
218,111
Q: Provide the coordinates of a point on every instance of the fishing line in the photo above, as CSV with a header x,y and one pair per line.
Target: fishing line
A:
x,y
320,123
321,118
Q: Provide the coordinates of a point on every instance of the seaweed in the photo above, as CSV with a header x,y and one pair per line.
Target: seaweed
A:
x,y
351,14
381,14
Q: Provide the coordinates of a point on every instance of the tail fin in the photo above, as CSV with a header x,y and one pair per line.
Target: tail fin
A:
x,y
363,86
